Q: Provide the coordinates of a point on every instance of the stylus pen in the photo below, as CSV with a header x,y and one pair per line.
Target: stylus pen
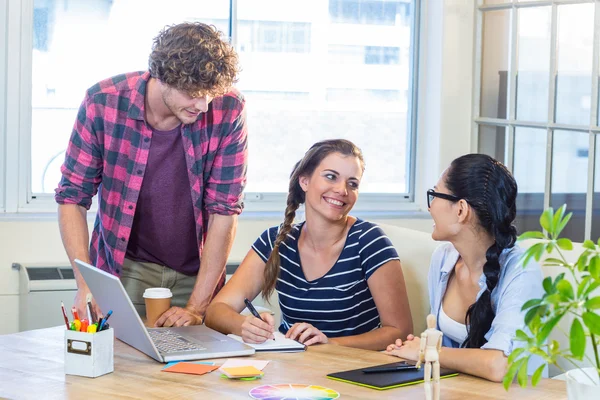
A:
x,y
388,369
253,310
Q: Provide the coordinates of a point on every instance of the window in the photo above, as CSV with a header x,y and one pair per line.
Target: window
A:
x,y
344,54
538,106
374,12
297,93
273,36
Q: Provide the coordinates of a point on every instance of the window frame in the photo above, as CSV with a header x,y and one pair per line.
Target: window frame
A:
x,y
15,179
3,102
512,122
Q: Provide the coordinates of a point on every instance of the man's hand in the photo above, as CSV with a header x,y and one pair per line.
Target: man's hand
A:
x,y
80,303
177,316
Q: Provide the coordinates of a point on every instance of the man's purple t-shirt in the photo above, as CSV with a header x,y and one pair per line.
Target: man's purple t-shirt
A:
x,y
164,229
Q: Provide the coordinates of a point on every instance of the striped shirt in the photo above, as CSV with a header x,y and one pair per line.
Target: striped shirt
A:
x,y
339,303
109,149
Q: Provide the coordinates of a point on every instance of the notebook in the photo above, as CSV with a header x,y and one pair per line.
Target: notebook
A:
x,y
386,380
281,344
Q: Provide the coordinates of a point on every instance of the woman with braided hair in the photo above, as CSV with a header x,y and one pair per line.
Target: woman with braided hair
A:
x,y
338,278
477,285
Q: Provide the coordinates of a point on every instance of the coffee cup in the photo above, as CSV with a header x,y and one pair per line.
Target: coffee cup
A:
x,y
158,300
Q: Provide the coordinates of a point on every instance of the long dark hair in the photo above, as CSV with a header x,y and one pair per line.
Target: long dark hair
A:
x,y
490,189
296,196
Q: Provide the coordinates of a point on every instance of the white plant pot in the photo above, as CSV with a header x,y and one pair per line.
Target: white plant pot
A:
x,y
579,385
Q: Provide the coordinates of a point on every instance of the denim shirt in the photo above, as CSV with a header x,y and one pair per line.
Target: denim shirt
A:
x,y
515,286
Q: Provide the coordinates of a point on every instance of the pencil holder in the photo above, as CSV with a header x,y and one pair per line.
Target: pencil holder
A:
x,y
89,354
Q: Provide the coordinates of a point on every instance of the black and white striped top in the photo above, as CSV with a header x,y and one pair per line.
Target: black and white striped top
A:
x,y
340,302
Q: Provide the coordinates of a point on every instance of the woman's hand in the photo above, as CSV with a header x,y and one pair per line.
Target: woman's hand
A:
x,y
306,334
255,330
408,349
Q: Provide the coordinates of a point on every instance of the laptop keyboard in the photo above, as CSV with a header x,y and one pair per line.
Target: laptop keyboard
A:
x,y
169,342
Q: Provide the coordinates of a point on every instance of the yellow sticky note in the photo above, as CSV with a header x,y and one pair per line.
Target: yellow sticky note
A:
x,y
241,372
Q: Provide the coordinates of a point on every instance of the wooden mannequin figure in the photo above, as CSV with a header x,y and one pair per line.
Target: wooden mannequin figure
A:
x,y
431,345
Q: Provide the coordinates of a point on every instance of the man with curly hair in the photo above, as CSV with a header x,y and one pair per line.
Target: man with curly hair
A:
x,y
167,148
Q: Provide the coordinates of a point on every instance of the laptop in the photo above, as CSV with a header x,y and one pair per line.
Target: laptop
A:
x,y
163,344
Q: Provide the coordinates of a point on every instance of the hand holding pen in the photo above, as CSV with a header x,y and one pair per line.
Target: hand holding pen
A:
x,y
257,328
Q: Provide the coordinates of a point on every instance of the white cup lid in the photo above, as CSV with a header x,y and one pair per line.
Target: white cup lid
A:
x,y
158,293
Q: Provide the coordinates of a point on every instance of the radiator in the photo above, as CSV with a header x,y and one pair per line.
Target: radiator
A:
x,y
41,289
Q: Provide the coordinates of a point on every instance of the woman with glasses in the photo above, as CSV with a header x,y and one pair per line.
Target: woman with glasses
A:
x,y
338,278
476,284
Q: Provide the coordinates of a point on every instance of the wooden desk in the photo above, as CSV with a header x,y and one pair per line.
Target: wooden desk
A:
x,y
31,366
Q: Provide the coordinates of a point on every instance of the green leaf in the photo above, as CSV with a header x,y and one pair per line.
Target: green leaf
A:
x,y
526,257
531,303
549,249
546,219
588,244
539,352
594,267
565,288
510,374
591,288
577,339
554,298
515,354
582,285
592,321
592,303
535,378
565,244
550,261
547,284
561,225
547,328
559,278
522,375
554,347
530,314
558,215
531,235
521,335
582,261
535,324
537,250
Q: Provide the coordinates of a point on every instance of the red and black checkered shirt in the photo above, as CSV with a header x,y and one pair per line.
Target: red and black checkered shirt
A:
x,y
109,149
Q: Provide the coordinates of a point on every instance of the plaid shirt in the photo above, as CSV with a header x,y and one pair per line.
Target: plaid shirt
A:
x,y
109,149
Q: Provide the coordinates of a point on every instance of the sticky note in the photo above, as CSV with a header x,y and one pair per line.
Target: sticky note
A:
x,y
241,372
241,362
191,362
191,368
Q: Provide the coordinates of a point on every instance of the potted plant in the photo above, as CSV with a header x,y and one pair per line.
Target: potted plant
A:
x,y
575,298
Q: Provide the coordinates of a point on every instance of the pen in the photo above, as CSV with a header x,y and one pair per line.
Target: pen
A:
x,y
62,305
74,312
393,368
91,313
253,311
103,322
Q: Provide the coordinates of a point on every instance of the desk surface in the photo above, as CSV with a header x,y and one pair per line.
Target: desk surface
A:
x,y
31,366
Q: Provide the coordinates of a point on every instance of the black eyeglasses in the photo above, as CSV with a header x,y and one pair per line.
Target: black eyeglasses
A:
x,y
431,194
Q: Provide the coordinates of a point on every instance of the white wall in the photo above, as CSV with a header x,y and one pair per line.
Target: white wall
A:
x,y
444,126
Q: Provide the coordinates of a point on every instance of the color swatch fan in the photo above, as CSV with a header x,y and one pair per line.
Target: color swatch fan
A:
x,y
293,392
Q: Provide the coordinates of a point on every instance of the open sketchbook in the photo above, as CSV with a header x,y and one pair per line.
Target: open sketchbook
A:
x,y
281,343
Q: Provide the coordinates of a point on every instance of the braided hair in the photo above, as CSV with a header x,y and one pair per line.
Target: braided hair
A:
x,y
490,189
296,196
